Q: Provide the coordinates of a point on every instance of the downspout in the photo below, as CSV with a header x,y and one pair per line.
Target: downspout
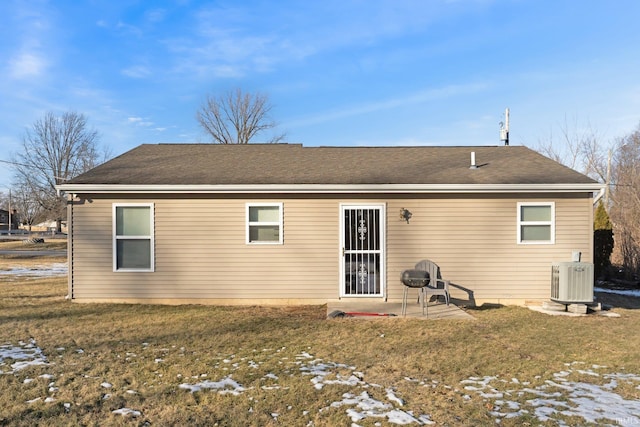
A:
x,y
70,247
604,191
599,196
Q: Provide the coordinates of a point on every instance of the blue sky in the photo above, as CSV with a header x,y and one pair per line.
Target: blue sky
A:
x,y
347,72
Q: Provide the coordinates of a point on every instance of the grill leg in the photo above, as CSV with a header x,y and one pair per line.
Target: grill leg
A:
x,y
404,301
425,303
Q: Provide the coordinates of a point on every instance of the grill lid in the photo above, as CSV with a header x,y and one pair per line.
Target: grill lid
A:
x,y
415,278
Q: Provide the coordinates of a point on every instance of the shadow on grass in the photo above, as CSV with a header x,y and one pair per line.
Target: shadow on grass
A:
x,y
486,306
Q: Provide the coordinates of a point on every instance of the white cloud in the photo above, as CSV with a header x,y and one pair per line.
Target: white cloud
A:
x,y
31,37
129,29
234,41
139,121
418,97
155,15
137,72
26,65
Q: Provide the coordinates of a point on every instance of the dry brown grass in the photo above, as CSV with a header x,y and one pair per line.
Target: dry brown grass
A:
x,y
21,245
151,350
20,260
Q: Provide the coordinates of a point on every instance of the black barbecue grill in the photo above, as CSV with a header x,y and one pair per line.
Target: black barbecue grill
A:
x,y
413,279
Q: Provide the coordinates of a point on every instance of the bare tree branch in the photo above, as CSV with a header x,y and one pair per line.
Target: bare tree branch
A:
x,y
625,212
578,147
55,149
236,117
28,209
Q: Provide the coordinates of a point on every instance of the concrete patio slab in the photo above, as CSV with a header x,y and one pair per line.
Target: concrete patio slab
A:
x,y
435,310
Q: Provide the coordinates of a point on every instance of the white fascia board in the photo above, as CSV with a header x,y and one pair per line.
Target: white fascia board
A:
x,y
329,188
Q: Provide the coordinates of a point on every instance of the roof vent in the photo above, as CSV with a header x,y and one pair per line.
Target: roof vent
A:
x,y
473,161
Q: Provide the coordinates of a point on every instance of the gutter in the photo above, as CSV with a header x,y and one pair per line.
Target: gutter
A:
x,y
329,188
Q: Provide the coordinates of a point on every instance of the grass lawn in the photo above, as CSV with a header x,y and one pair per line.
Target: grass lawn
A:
x,y
116,364
21,245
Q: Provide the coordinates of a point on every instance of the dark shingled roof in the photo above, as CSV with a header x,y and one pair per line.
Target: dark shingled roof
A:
x,y
260,164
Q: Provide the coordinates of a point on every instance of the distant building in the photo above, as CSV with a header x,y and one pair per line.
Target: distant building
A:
x,y
4,219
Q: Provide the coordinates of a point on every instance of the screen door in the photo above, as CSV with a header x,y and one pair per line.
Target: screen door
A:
x,y
362,250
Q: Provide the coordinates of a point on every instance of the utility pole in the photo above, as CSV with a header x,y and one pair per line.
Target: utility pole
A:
x,y
607,188
504,128
9,212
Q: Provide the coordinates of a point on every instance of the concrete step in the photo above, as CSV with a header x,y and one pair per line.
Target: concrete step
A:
x,y
577,308
553,306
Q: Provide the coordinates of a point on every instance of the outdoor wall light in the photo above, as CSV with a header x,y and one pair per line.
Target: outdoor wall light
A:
x,y
405,214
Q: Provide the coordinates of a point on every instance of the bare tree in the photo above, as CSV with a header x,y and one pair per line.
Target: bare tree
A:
x,y
625,212
236,117
55,149
29,210
578,147
581,148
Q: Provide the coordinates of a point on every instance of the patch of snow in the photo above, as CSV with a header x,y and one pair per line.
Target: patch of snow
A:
x,y
224,386
626,292
361,405
364,406
48,270
393,398
304,355
127,412
564,393
592,402
24,355
321,371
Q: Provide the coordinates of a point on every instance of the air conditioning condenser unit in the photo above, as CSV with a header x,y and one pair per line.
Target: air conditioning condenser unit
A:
x,y
572,282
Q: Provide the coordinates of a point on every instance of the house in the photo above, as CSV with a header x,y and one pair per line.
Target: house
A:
x,y
9,220
287,224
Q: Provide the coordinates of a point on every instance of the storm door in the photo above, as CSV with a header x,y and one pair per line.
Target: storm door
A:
x,y
362,250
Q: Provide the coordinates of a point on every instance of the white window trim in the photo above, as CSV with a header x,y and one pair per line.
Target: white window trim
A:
x,y
279,223
551,223
151,238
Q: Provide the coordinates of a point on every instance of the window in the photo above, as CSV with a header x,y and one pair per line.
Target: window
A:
x,y
133,245
264,223
536,223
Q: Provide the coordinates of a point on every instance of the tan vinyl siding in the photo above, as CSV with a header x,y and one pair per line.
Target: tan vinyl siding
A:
x,y
474,240
201,252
